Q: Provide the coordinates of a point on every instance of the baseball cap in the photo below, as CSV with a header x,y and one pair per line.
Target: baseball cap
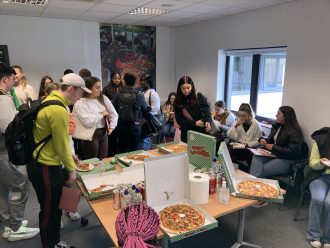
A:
x,y
73,79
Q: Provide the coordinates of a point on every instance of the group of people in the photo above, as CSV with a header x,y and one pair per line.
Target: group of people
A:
x,y
109,121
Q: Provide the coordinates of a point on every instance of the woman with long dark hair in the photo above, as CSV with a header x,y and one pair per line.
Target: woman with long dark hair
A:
x,y
192,111
168,111
94,111
284,141
44,81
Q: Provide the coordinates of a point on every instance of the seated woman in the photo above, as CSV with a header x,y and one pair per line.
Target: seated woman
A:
x,y
137,226
222,117
285,142
246,130
319,209
168,111
192,112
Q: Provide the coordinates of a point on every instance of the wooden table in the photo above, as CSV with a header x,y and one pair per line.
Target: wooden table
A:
x,y
103,209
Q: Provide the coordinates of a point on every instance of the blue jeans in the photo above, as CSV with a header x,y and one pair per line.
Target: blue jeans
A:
x,y
265,166
145,144
319,209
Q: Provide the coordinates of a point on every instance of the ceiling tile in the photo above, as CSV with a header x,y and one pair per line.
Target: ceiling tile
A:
x,y
71,4
133,17
56,12
228,3
113,8
257,4
21,8
202,8
134,3
176,4
97,16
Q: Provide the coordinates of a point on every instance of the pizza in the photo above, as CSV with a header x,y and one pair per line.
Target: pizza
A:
x,y
99,189
83,167
138,157
257,188
180,218
176,148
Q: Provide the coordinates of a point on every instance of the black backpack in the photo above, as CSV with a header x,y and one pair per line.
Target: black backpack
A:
x,y
127,107
19,135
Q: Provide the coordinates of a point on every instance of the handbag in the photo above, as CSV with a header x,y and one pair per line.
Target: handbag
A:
x,y
82,132
152,125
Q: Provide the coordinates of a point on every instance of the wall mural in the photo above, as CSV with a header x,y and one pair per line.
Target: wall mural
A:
x,y
128,48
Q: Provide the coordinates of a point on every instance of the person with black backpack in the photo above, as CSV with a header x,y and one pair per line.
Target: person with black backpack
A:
x,y
13,183
45,171
130,106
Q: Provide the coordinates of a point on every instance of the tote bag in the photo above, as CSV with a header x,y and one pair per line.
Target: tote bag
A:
x,y
82,132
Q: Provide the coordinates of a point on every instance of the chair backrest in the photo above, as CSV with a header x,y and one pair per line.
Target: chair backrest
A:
x,y
298,166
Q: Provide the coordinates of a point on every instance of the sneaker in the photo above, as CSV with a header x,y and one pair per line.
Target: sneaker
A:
x,y
326,244
23,233
260,205
73,216
63,244
315,243
62,225
6,230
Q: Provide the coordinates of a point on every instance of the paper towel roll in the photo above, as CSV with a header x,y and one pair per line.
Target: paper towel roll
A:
x,y
199,187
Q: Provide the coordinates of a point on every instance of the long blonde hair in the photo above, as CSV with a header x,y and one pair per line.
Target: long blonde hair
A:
x,y
23,80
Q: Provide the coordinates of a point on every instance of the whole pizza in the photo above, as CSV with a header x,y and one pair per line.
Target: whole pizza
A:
x,y
138,157
176,148
257,188
180,218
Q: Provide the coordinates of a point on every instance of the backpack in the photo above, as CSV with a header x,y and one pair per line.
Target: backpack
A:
x,y
19,137
127,107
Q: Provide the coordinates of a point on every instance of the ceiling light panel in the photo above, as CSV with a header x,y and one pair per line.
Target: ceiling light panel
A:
x,y
148,11
29,2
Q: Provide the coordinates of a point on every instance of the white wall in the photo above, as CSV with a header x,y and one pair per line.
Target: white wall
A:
x,y
49,46
302,26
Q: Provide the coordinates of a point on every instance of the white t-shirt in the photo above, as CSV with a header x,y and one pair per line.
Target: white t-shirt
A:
x,y
8,112
154,102
23,93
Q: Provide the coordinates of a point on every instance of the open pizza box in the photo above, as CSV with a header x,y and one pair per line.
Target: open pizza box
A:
x,y
201,149
128,160
167,184
233,179
100,185
173,147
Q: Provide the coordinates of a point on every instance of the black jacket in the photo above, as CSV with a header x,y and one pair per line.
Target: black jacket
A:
x,y
288,143
200,111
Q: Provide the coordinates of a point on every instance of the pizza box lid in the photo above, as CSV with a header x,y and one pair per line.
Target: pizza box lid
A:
x,y
201,149
121,157
233,179
163,147
112,179
167,183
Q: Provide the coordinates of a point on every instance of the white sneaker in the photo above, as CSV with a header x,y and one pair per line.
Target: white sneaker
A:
x,y
62,225
23,233
73,216
315,243
6,230
63,244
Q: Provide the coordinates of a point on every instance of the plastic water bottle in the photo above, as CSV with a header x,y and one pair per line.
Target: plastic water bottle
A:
x,y
127,199
224,193
137,197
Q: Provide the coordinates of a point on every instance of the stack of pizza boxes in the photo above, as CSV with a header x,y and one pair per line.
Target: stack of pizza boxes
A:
x,y
167,184
233,180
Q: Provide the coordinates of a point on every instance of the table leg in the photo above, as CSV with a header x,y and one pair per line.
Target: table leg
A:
x,y
240,232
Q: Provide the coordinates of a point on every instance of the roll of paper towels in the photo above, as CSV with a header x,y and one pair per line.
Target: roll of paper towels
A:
x,y
199,187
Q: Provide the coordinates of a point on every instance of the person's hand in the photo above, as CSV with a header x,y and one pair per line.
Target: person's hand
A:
x,y
105,113
199,123
325,162
239,122
71,179
109,131
269,146
207,127
262,142
76,160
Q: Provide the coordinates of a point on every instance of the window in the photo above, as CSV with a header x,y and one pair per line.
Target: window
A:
x,y
255,76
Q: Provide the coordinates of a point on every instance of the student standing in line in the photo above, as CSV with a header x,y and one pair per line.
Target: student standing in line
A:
x,y
318,230
13,183
111,90
23,90
44,81
85,73
246,130
96,110
47,174
192,112
284,141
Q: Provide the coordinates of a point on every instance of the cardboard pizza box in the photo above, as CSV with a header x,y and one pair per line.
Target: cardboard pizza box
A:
x,y
166,148
201,149
233,179
130,162
167,184
111,179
